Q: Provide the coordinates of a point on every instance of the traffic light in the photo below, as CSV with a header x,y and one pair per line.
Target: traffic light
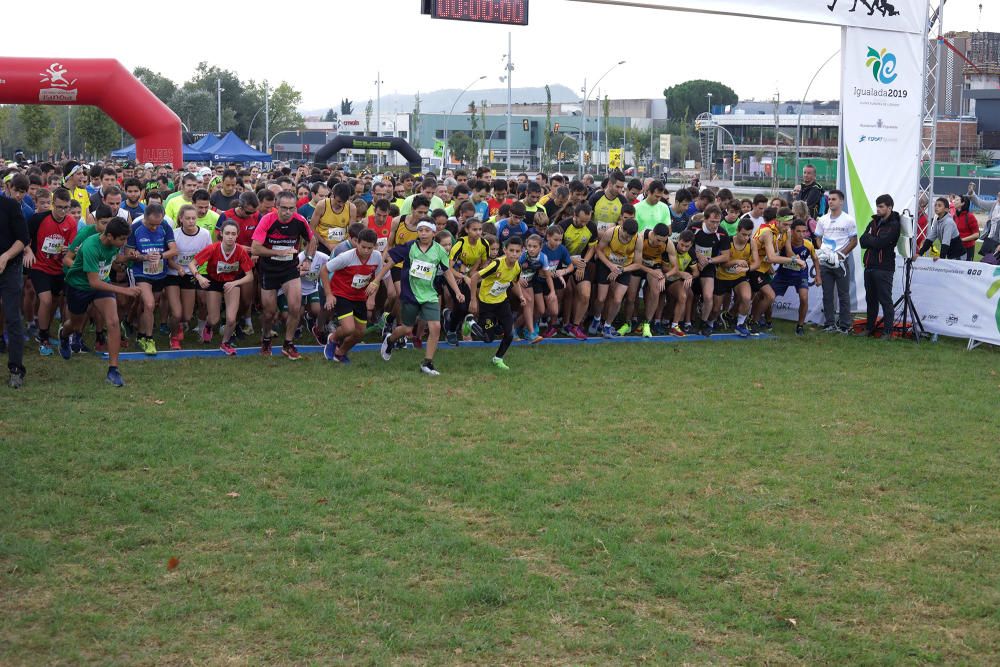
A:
x,y
586,156
491,156
524,124
556,127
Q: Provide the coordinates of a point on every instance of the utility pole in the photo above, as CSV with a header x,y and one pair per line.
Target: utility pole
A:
x,y
600,112
510,70
583,126
218,104
267,116
378,114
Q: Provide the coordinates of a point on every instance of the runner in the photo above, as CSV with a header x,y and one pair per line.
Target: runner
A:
x,y
580,238
51,235
561,269
276,242
332,217
608,203
798,277
711,246
87,283
773,248
228,267
731,277
537,288
419,300
150,245
651,211
347,281
657,248
617,254
182,287
227,196
470,253
490,303
680,280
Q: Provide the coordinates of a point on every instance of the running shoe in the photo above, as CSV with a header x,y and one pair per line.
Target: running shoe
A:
x,y
765,325
265,347
115,377
609,332
578,332
401,343
386,348
452,338
534,337
646,332
742,330
800,330
45,350
846,331
248,327
467,325
342,358
677,331
427,368
830,328
318,334
687,327
706,330
625,329
550,332
148,346
498,363
475,328
330,348
206,334
388,326
595,327
238,332
227,347
81,347
175,341
15,380
64,348
288,349
164,329
75,342
128,330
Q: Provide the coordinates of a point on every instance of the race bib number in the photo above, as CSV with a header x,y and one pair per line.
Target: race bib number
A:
x,y
360,281
499,288
227,267
703,252
283,258
151,268
615,258
650,263
104,271
528,275
422,270
184,260
381,244
310,276
53,245
335,234
601,226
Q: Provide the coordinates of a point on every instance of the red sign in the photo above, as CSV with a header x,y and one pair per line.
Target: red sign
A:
x,y
508,12
350,122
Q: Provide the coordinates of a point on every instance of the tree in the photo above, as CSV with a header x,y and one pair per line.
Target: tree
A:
x,y
547,145
346,107
37,121
195,107
237,106
98,133
462,146
482,128
330,117
415,123
369,108
283,107
690,98
474,125
158,84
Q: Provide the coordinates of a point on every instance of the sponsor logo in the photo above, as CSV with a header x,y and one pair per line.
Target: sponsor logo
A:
x,y
883,65
350,122
60,88
875,139
883,7
931,317
975,317
952,319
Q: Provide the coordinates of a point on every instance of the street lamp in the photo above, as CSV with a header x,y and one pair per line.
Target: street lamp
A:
x,y
798,122
586,98
709,96
444,157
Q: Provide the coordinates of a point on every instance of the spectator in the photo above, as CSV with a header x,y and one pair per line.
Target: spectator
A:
x,y
968,227
809,191
13,239
991,233
879,242
943,230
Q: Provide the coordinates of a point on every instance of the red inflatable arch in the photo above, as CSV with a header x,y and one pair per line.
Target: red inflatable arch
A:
x,y
103,83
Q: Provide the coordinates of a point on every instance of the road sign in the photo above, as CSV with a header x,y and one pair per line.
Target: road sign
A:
x,y
438,148
665,147
615,158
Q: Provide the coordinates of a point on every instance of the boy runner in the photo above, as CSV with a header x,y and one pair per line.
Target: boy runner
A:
x,y
51,235
711,246
731,277
795,276
347,281
87,282
419,300
490,298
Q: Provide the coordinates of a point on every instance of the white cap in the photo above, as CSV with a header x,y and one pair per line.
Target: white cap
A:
x,y
204,171
148,165
428,225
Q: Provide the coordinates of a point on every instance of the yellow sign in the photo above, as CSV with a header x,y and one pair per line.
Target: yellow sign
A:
x,y
493,172
615,158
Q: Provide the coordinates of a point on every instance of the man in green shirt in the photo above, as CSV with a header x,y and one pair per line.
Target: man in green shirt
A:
x,y
427,188
184,196
88,281
422,259
207,218
651,211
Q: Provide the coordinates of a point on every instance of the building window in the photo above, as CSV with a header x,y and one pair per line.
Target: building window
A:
x,y
439,134
402,134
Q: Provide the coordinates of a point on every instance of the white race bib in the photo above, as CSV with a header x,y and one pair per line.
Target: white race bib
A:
x,y
499,288
360,281
528,275
422,270
184,260
616,259
226,267
283,258
335,234
152,268
104,271
381,244
601,226
310,276
53,245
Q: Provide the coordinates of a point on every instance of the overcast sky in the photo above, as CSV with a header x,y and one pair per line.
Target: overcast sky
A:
x,y
333,49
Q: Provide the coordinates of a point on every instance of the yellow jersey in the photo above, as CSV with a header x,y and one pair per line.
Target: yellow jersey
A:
x,y
403,236
780,238
620,253
465,254
332,226
653,255
578,239
735,255
495,279
607,212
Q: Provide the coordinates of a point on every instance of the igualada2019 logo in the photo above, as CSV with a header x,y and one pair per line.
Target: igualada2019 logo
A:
x,y
883,67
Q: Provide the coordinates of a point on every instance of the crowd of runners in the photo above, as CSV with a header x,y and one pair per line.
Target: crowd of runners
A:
x,y
118,255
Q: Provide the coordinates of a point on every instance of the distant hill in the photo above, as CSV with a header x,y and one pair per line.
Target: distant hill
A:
x,y
441,100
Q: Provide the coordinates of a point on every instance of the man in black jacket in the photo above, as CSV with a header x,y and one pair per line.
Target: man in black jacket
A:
x,y
879,244
809,191
13,238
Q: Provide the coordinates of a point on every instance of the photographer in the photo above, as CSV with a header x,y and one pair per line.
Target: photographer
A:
x,y
879,242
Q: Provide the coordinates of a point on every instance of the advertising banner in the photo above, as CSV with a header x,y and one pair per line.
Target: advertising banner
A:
x,y
955,298
892,15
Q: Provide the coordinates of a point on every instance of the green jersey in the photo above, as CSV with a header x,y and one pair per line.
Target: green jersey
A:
x,y
93,257
650,215
420,269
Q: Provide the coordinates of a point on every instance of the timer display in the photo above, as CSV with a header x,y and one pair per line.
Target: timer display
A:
x,y
505,12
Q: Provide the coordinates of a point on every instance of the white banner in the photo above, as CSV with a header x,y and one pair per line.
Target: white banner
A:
x,y
954,298
893,15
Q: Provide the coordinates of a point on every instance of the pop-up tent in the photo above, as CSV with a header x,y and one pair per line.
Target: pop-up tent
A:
x,y
191,154
233,149
206,142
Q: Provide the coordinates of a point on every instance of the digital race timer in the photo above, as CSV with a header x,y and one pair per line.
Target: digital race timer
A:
x,y
507,12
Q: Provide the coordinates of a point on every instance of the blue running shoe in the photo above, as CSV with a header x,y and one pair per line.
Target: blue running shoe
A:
x,y
115,377
330,348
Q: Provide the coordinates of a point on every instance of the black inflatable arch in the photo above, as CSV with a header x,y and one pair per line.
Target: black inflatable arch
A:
x,y
342,142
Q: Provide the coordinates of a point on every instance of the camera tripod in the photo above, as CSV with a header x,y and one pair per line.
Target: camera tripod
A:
x,y
904,310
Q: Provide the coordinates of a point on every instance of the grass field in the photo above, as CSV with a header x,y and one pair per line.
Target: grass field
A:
x,y
818,500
